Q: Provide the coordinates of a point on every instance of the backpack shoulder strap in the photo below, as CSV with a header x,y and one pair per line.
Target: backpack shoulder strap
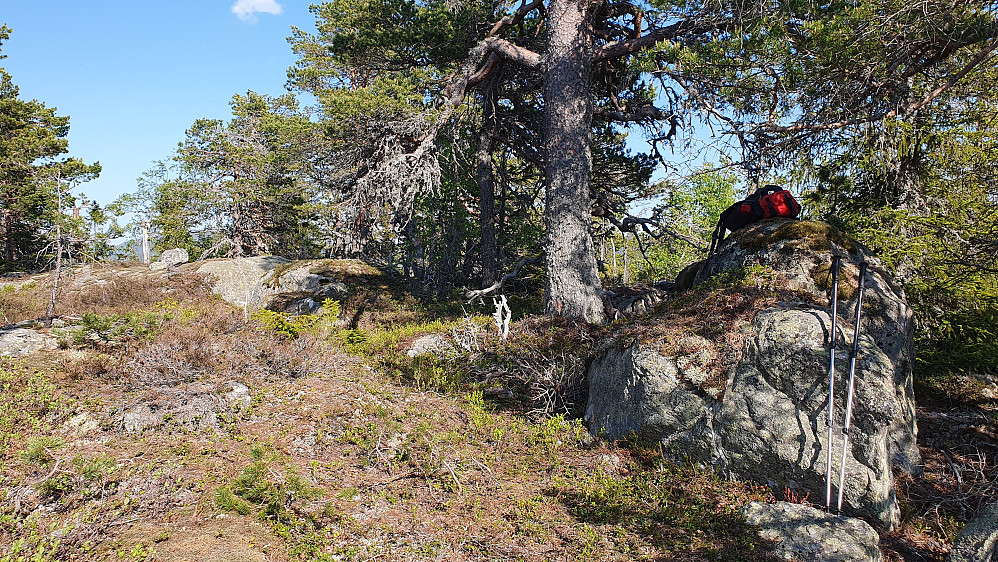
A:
x,y
719,231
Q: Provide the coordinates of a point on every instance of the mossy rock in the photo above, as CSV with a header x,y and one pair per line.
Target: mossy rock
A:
x,y
340,269
684,281
345,268
803,235
848,279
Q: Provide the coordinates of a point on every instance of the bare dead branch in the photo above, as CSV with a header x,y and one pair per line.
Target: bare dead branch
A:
x,y
617,49
474,295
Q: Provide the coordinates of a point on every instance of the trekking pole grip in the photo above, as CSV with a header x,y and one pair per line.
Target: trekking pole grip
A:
x,y
852,381
859,307
836,263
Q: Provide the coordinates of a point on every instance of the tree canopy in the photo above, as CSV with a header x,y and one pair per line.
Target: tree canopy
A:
x,y
32,140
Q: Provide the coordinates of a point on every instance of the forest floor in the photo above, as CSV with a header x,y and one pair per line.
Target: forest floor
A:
x,y
344,448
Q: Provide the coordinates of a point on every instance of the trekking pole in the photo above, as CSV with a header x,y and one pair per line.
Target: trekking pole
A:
x,y
836,261
852,379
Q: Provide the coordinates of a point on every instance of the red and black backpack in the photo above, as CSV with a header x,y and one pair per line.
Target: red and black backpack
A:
x,y
764,203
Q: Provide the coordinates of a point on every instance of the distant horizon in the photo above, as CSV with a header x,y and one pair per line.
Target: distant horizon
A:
x,y
133,77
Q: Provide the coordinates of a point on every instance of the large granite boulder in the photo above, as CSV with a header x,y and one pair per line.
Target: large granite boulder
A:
x,y
240,281
978,542
279,284
170,258
764,415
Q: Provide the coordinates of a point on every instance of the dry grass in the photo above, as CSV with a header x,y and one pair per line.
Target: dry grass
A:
x,y
333,459
24,300
137,289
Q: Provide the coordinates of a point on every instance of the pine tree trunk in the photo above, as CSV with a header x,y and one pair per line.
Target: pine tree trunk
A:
x,y
573,283
9,237
487,194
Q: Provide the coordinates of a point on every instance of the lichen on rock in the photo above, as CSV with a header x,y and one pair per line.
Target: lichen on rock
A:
x,y
734,375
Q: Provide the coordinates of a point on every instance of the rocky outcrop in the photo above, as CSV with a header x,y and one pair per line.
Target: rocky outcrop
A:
x,y
282,285
978,542
170,258
186,407
240,281
765,417
20,342
805,534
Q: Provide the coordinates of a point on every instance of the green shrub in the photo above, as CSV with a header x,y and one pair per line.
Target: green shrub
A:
x,y
28,402
261,487
112,329
292,326
39,449
960,341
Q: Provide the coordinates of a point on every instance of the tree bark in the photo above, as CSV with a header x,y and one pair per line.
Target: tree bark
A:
x,y
573,283
487,192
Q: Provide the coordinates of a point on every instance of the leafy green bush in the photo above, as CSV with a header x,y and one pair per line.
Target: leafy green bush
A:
x,y
292,326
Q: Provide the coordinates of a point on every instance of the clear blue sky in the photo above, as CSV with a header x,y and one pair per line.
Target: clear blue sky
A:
x,y
134,75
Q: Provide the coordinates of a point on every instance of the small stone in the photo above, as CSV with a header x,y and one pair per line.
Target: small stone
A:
x,y
239,394
806,534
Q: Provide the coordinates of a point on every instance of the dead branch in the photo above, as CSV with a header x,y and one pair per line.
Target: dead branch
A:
x,y
617,49
472,67
475,295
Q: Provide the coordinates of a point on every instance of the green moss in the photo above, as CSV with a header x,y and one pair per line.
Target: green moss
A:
x,y
344,268
684,281
336,269
848,279
810,235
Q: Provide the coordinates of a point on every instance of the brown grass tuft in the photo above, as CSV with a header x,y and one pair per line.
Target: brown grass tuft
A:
x,y
129,292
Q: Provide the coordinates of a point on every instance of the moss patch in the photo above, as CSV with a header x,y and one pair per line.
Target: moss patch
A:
x,y
809,235
848,279
717,312
684,281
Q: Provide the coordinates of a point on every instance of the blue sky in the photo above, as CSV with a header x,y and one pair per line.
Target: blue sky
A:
x,y
134,75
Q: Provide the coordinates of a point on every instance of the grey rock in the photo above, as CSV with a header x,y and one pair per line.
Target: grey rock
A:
x,y
768,421
773,422
169,259
239,395
806,534
978,542
20,342
81,424
642,395
802,251
140,417
301,279
242,281
187,408
432,344
176,256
